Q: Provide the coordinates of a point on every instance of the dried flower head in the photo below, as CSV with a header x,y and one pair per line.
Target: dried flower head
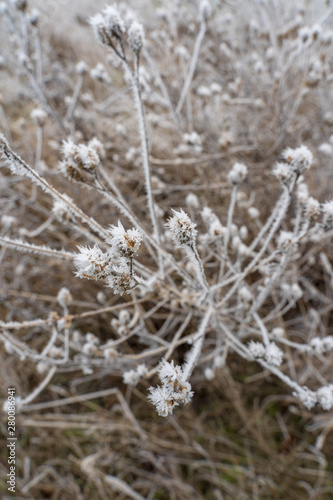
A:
x,y
126,243
182,229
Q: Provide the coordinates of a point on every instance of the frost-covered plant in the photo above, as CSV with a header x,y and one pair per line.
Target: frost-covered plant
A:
x,y
227,278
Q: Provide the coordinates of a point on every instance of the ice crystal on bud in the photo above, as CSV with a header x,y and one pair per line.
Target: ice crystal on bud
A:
x,y
300,159
108,24
273,354
322,345
282,172
325,397
126,243
312,208
132,377
64,297
238,173
92,263
39,116
182,229
327,209
174,390
136,37
205,9
121,279
257,349
308,398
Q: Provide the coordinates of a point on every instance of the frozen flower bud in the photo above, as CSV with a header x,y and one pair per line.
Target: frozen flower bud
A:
x,y
238,173
121,279
325,397
245,295
278,332
182,229
88,158
92,263
126,243
327,209
192,201
124,317
132,377
8,221
99,73
256,349
174,390
326,149
136,37
296,292
273,354
108,25
34,17
322,345
312,208
81,68
96,144
64,297
300,159
308,398
285,240
253,213
209,374
282,172
205,10
110,353
39,116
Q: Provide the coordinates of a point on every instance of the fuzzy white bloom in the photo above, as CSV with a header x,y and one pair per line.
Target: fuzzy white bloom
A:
x,y
325,397
174,390
124,317
108,24
132,377
136,37
81,68
278,332
92,263
126,243
87,156
99,73
273,354
64,297
256,349
285,239
300,159
282,172
209,374
245,295
205,9
192,201
78,157
110,353
238,173
121,279
39,116
253,213
308,397
182,229
327,209
322,345
312,208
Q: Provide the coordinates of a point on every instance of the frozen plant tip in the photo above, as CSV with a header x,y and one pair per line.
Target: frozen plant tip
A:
x,y
182,229
126,243
174,390
108,25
